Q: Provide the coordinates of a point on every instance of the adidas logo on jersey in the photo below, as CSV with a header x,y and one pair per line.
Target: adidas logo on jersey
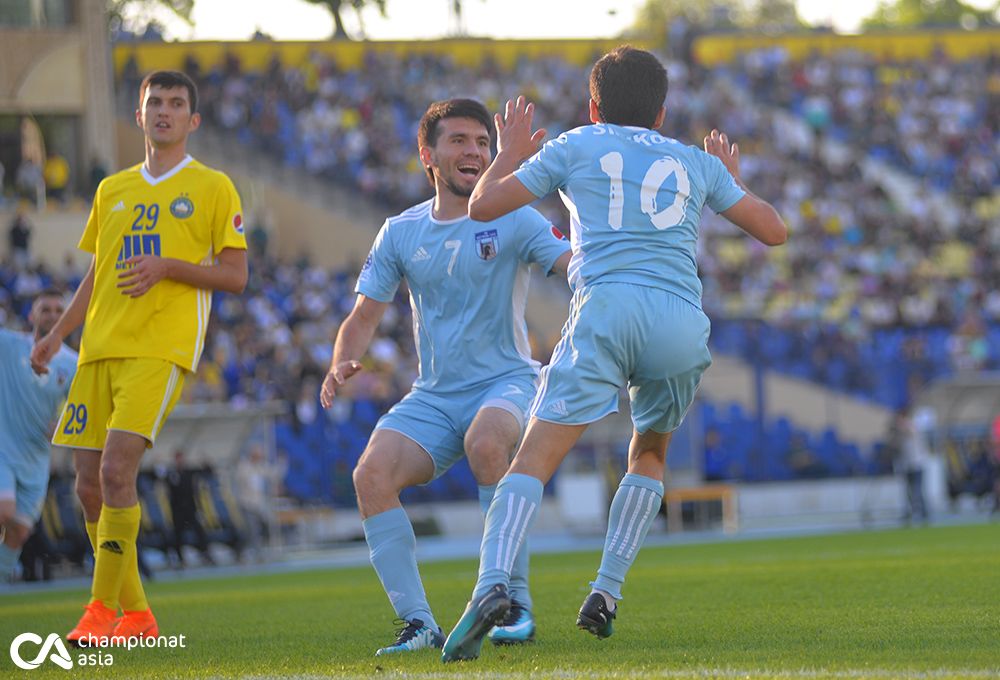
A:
x,y
112,546
119,206
559,408
420,255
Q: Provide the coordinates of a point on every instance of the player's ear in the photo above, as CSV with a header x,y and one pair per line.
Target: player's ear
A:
x,y
195,122
660,117
425,156
595,116
138,118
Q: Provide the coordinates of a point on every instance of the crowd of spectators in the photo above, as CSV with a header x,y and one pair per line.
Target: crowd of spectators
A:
x,y
937,118
860,261
868,290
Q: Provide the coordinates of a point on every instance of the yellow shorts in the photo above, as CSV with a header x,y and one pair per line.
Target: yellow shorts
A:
x,y
130,395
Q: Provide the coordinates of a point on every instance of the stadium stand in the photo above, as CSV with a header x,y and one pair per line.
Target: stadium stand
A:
x,y
871,297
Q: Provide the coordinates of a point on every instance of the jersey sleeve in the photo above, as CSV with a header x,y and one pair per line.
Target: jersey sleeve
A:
x,y
88,242
540,241
548,169
227,219
381,273
722,191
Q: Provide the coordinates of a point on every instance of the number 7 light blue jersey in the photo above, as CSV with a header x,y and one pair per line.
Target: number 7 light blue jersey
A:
x,y
635,200
468,286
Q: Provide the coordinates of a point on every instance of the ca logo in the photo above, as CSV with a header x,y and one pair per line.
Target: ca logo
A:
x,y
59,657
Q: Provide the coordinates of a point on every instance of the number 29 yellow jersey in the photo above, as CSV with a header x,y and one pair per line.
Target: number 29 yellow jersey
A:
x,y
191,213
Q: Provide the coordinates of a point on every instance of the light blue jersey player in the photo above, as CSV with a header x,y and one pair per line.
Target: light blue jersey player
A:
x,y
31,406
468,285
635,200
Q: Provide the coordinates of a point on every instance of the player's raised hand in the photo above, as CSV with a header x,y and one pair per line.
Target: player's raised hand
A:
x,y
718,145
514,134
43,351
142,273
336,377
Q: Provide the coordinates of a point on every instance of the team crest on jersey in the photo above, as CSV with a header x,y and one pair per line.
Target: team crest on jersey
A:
x,y
182,207
238,223
487,244
557,233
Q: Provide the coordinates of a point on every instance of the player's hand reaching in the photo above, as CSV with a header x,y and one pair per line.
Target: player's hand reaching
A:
x,y
142,273
514,135
43,351
336,377
718,145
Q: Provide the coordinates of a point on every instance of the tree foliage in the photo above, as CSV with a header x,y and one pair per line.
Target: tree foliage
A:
x,y
118,10
336,7
654,16
929,13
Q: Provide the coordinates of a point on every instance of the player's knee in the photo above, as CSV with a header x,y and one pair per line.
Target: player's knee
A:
x,y
89,493
488,459
115,476
370,482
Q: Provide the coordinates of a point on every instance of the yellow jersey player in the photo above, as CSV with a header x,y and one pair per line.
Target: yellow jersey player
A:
x,y
163,235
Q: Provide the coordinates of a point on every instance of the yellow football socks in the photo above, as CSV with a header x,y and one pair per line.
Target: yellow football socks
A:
x,y
114,558
132,596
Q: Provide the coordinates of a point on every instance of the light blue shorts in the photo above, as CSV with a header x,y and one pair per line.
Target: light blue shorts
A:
x,y
621,334
438,421
27,486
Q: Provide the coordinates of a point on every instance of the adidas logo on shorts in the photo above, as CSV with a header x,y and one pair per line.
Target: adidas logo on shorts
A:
x,y
559,408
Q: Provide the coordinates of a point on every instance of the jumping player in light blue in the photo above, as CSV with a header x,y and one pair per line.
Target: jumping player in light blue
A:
x,y
31,405
468,285
635,200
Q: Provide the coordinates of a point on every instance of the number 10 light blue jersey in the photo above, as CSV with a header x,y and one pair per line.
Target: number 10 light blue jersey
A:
x,y
468,286
635,200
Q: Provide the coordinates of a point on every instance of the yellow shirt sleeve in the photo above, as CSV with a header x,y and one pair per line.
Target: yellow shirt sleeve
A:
x,y
88,242
227,223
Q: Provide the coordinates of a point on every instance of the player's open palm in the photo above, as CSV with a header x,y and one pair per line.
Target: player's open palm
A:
x,y
514,134
142,273
718,145
335,377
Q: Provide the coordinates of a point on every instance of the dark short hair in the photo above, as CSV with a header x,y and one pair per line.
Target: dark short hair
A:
x,y
427,133
51,292
628,86
170,80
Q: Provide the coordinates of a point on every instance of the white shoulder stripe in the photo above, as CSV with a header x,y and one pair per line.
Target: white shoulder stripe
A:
x,y
411,216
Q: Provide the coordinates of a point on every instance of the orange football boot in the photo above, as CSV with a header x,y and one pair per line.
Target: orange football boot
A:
x,y
94,626
141,624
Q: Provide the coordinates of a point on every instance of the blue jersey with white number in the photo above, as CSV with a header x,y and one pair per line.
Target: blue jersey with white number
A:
x,y
635,200
468,286
29,403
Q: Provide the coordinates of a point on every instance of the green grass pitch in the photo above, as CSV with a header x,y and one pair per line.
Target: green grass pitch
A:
x,y
917,603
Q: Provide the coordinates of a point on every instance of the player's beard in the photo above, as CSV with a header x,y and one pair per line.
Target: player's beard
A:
x,y
456,189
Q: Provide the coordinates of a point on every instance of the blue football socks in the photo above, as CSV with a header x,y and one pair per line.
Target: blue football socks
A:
x,y
393,548
519,572
633,510
511,512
